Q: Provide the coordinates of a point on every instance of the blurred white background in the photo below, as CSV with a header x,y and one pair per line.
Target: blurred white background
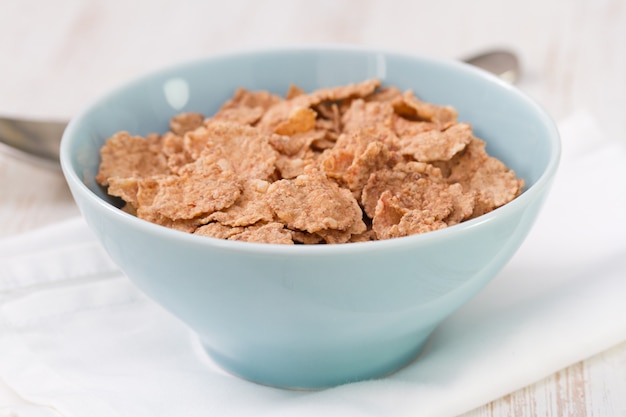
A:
x,y
57,55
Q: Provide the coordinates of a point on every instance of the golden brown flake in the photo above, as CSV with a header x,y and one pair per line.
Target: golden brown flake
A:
x,y
266,233
293,92
436,145
385,94
204,187
386,216
353,156
312,202
294,166
171,144
126,156
251,206
186,122
419,221
125,188
413,108
403,180
363,115
218,230
251,99
392,219
493,183
349,91
280,113
342,236
301,120
296,152
375,157
248,150
242,115
367,236
195,142
406,127
306,238
463,204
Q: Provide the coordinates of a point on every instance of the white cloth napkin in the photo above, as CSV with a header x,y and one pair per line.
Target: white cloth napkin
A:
x,y
77,339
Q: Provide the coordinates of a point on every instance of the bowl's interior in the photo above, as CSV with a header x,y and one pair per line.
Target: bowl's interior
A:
x,y
516,130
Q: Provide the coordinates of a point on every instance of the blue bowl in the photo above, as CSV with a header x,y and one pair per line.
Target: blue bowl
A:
x,y
313,316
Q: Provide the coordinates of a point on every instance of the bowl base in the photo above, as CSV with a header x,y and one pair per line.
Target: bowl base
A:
x,y
313,375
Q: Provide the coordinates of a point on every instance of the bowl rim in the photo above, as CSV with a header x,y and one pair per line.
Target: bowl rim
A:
x,y
543,181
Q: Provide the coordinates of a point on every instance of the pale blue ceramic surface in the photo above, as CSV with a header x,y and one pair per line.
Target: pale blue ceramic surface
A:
x,y
314,316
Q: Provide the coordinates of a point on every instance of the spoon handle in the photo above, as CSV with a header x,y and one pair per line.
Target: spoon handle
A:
x,y
31,140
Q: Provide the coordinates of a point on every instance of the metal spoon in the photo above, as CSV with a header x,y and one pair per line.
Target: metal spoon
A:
x,y
502,63
37,141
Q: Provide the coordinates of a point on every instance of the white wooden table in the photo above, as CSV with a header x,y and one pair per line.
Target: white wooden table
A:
x,y
56,56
